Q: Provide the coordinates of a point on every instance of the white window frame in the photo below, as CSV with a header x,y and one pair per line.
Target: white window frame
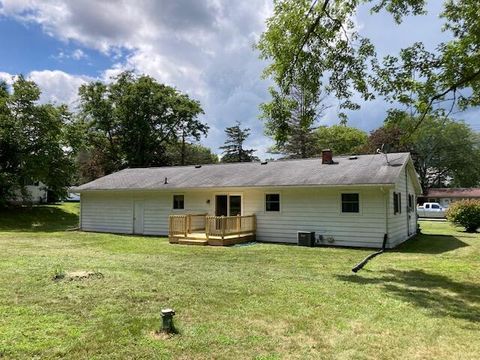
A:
x,y
228,194
280,200
184,201
360,203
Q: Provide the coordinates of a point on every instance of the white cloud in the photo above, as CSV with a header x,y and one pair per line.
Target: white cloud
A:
x,y
6,77
203,48
58,86
78,54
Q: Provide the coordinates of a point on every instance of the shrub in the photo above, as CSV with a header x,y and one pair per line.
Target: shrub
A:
x,y
465,213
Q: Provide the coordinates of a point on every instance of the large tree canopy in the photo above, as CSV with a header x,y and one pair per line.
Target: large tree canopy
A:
x,y
445,152
131,121
33,142
341,139
318,42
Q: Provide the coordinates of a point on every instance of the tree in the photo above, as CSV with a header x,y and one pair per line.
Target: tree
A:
x,y
291,120
132,120
315,44
341,139
445,152
184,153
233,149
33,145
318,41
388,137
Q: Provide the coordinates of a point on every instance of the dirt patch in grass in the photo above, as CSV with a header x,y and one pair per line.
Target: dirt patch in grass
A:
x,y
161,335
78,275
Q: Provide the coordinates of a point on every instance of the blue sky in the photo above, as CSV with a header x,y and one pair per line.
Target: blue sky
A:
x,y
203,48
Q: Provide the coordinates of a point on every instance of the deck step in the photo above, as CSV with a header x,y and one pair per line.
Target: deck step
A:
x,y
201,242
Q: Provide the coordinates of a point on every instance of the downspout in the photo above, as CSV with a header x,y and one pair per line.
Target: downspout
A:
x,y
406,202
364,262
81,213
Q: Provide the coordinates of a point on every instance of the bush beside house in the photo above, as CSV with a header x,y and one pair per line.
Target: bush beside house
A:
x,y
465,213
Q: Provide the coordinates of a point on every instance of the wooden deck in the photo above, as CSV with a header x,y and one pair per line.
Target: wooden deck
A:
x,y
201,229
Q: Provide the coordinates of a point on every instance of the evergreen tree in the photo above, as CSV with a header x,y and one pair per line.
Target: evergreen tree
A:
x,y
233,149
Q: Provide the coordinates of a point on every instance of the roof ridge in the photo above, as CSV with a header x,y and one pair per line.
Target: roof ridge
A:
x,y
258,162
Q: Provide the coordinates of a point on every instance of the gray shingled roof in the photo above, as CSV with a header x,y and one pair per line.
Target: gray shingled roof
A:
x,y
365,170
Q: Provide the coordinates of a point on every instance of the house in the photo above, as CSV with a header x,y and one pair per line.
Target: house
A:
x,y
346,201
36,193
445,196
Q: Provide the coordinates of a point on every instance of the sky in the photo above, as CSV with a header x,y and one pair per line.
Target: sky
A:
x,y
203,48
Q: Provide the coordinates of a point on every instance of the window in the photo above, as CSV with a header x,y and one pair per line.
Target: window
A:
x,y
350,203
411,201
427,206
397,203
178,202
435,206
272,202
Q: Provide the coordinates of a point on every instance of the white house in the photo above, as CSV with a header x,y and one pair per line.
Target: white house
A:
x,y
446,196
36,192
346,201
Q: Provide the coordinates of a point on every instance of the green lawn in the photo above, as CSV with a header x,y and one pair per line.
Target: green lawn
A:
x,y
421,301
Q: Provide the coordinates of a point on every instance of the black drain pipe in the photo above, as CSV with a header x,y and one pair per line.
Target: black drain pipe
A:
x,y
360,265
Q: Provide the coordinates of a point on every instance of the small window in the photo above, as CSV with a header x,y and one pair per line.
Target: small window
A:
x,y
427,206
350,203
178,202
272,202
411,202
397,203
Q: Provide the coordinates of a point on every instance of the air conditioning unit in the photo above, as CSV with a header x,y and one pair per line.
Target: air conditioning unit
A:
x,y
306,238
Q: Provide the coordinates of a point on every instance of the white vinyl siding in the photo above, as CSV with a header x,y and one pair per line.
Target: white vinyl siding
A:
x,y
403,224
106,212
302,209
319,210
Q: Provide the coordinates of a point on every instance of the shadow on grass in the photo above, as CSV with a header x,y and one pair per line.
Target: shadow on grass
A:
x,y
430,244
436,293
46,218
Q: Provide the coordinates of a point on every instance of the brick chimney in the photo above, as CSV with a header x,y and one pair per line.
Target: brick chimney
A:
x,y
327,157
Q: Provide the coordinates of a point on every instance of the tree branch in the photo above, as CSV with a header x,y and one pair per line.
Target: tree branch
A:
x,y
309,32
438,96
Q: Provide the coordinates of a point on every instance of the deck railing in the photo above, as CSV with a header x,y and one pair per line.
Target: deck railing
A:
x,y
177,225
230,225
185,224
214,226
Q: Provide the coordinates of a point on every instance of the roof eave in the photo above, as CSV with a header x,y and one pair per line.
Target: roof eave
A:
x,y
388,185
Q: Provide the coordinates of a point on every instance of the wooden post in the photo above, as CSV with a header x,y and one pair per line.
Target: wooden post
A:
x,y
224,224
169,227
239,224
207,226
185,225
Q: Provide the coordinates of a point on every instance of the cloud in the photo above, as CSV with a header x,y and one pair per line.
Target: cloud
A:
x,y
203,48
7,78
58,86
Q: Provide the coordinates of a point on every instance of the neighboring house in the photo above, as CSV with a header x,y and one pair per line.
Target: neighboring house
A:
x,y
350,201
37,192
445,196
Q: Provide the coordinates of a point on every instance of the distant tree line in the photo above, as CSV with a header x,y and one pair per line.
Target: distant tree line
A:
x,y
132,121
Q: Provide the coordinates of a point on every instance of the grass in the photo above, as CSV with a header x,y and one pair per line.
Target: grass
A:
x,y
420,301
